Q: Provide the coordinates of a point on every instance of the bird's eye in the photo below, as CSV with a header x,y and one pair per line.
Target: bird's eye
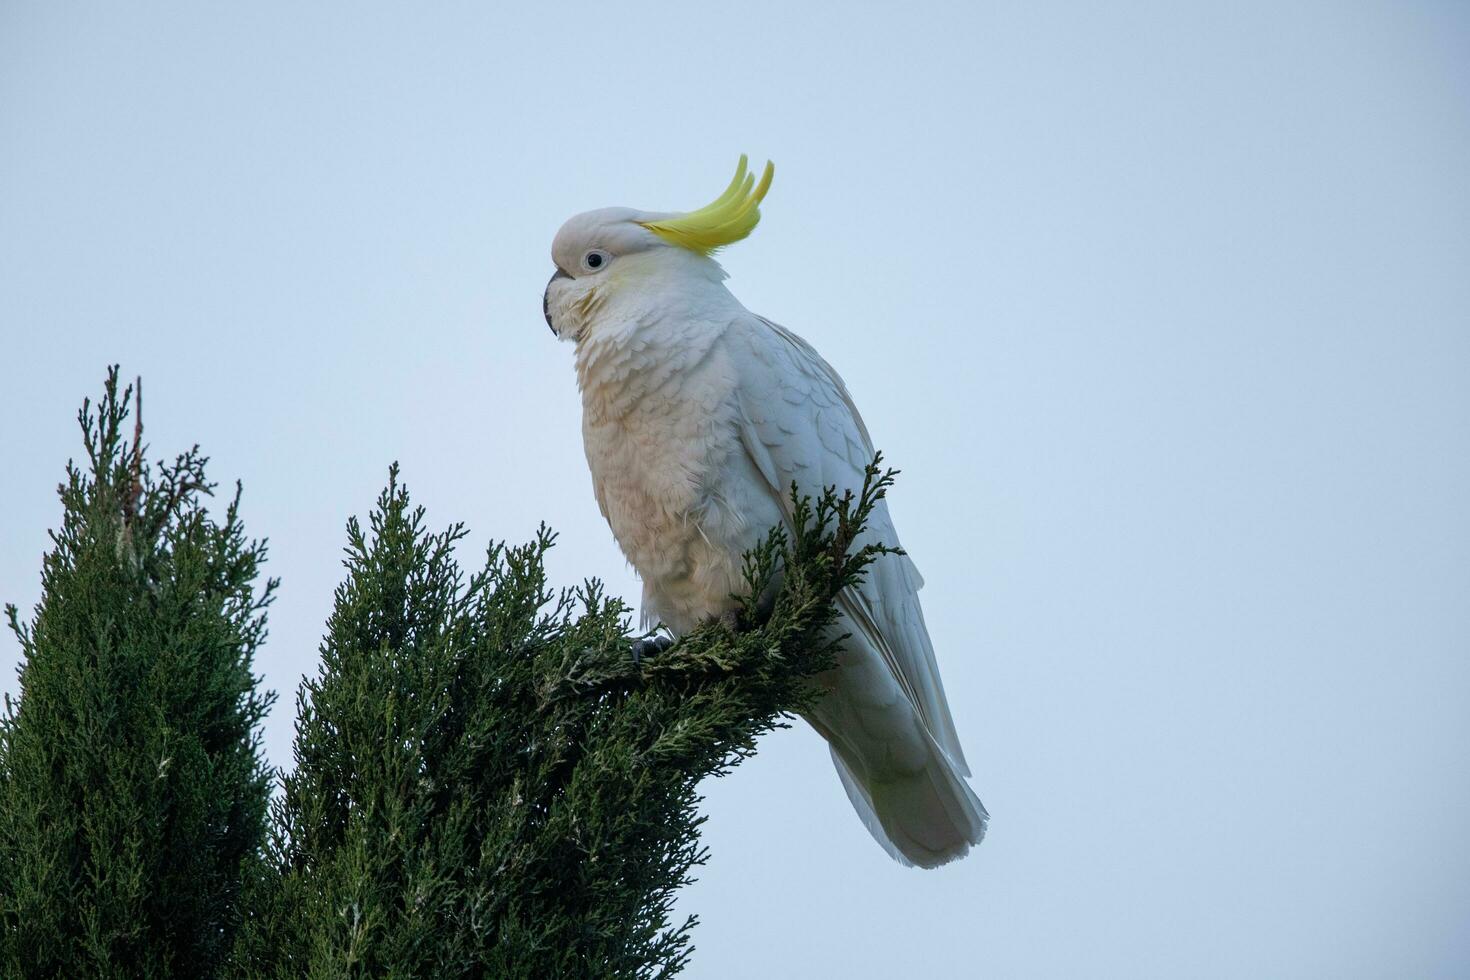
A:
x,y
595,260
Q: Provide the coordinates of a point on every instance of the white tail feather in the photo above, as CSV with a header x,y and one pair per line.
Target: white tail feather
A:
x,y
926,818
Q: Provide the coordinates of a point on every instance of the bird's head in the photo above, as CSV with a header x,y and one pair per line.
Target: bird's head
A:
x,y
611,253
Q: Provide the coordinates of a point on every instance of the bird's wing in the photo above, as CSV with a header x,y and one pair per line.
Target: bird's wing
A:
x,y
798,423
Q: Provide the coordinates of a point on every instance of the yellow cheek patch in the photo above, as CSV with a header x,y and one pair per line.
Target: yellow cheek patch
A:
x,y
725,220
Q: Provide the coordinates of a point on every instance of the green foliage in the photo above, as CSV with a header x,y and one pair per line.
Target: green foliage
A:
x,y
488,784
132,792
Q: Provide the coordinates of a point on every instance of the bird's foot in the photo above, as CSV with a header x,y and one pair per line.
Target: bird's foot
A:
x,y
650,646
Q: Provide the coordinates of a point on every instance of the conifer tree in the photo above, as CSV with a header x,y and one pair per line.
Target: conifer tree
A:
x,y
132,790
490,783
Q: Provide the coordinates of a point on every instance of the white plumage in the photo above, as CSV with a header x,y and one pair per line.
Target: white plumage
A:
x,y
697,417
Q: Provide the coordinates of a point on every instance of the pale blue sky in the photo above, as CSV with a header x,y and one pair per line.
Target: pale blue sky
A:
x,y
1164,311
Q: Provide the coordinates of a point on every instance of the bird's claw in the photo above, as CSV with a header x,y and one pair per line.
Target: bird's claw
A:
x,y
648,647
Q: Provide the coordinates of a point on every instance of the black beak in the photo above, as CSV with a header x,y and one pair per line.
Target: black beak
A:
x,y
546,299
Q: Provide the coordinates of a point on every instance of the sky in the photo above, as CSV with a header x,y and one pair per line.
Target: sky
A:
x,y
1163,311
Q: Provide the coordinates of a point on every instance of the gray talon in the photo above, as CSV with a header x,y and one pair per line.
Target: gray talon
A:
x,y
649,647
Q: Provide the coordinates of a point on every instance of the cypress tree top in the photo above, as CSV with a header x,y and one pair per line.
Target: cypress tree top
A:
x,y
489,783
132,789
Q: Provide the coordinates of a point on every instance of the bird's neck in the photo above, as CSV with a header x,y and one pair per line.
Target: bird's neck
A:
x,y
638,339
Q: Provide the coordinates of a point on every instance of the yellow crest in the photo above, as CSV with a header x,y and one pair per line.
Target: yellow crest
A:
x,y
723,221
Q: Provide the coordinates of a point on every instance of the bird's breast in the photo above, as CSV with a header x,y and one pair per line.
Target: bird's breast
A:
x,y
662,447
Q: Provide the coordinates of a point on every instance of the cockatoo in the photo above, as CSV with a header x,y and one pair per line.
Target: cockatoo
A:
x,y
697,416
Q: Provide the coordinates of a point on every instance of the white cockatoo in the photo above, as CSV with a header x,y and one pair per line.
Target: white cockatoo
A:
x,y
697,416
